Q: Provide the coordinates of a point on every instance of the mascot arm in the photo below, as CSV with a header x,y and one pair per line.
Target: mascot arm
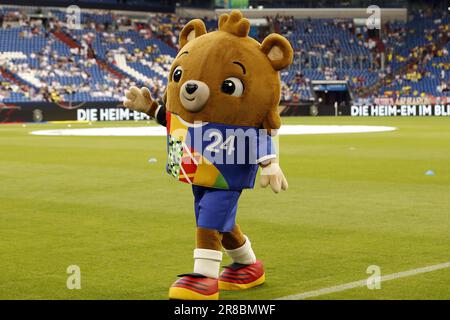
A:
x,y
140,100
271,174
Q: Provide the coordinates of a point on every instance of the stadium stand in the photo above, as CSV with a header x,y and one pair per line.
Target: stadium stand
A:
x,y
51,62
419,62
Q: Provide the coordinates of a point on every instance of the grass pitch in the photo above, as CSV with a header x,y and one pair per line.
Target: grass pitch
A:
x,y
354,200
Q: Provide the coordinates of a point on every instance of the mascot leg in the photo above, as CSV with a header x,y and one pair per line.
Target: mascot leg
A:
x,y
215,213
245,272
202,284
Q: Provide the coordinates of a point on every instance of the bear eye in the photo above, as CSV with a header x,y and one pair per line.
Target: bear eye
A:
x,y
177,74
233,86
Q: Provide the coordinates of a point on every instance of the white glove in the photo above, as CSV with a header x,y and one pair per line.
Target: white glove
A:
x,y
273,175
138,99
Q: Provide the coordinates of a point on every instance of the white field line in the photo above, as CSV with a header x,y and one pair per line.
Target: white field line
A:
x,y
363,283
161,131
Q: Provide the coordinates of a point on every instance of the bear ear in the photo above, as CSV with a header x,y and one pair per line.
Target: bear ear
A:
x,y
278,50
193,29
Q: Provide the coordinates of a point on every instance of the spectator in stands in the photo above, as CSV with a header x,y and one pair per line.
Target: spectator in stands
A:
x,y
346,55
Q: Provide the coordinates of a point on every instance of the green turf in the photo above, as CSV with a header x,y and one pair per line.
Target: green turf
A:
x,y
354,200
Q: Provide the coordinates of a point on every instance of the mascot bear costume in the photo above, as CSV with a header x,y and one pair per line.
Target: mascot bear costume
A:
x,y
222,86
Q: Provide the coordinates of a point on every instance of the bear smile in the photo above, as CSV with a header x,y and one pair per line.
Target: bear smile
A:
x,y
188,98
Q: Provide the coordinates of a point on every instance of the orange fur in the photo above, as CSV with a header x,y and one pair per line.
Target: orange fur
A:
x,y
233,239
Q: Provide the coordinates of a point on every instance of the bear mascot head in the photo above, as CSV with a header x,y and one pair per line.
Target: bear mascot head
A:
x,y
227,77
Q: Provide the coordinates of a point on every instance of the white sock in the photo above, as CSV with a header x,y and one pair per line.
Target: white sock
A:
x,y
207,262
243,254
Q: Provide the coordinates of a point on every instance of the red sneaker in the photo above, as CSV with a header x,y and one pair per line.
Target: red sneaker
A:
x,y
242,276
194,286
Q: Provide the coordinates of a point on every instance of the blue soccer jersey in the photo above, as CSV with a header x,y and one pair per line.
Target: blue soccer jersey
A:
x,y
215,155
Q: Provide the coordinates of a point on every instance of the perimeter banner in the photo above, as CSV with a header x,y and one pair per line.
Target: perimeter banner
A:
x,y
438,110
84,111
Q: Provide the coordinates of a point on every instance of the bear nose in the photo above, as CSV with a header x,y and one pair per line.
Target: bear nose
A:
x,y
194,102
191,87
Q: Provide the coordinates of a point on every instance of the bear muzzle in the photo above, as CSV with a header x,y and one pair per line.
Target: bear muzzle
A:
x,y
194,95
